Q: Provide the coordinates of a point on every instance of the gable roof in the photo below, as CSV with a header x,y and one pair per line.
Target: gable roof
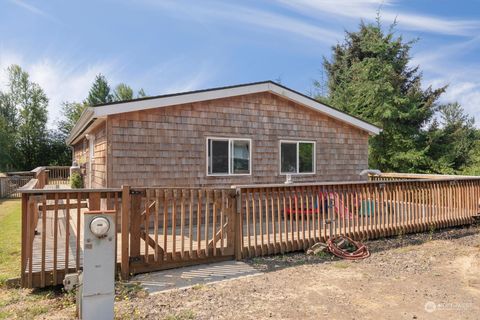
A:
x,y
92,114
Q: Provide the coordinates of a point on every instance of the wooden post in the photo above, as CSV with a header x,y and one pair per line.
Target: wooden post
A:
x,y
236,217
135,225
93,201
125,259
23,263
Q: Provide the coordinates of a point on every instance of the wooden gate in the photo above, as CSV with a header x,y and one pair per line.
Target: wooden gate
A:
x,y
165,228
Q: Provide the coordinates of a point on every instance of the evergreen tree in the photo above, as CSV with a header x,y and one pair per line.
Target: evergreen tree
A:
x,y
369,77
141,93
451,140
122,92
99,92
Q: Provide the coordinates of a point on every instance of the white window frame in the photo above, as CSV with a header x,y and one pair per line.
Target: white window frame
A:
x,y
230,158
297,142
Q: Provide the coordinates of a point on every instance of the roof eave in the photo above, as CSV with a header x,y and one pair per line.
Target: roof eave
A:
x,y
320,107
101,111
86,117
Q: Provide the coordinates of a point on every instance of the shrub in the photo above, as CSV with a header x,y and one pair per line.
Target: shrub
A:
x,y
76,181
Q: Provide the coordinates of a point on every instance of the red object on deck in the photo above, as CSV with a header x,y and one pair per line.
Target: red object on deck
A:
x,y
339,205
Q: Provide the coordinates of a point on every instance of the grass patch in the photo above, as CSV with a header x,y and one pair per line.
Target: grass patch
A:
x,y
324,255
129,290
10,238
27,304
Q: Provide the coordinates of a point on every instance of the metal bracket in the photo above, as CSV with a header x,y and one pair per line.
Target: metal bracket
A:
x,y
135,192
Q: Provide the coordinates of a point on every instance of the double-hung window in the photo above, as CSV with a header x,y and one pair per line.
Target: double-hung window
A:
x,y
297,157
228,156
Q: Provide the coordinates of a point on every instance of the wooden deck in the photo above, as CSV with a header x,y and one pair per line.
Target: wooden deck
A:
x,y
59,241
160,228
289,234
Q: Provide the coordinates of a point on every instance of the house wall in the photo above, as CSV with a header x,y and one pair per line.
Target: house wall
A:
x,y
81,154
167,146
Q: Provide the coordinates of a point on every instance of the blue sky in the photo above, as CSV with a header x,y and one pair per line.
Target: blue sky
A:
x,y
171,46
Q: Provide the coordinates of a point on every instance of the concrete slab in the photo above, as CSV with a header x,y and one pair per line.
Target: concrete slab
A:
x,y
181,278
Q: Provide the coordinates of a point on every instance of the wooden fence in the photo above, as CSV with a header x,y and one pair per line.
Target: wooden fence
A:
x,y
278,219
387,176
52,231
171,227
160,228
58,175
11,182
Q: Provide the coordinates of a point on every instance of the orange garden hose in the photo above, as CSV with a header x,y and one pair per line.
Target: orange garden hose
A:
x,y
360,252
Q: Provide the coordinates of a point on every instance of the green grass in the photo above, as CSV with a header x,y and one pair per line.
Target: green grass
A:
x,y
10,238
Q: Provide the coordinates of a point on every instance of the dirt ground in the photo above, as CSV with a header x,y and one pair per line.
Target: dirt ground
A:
x,y
425,276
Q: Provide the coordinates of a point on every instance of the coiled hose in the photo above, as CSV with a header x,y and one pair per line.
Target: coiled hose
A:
x,y
337,246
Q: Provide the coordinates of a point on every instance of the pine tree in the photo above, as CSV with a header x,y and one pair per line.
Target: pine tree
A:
x,y
369,77
451,140
141,93
99,92
122,92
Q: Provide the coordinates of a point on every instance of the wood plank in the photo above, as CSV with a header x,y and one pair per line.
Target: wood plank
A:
x,y
125,229
190,223
147,224
67,233
199,221
214,223
55,237
155,227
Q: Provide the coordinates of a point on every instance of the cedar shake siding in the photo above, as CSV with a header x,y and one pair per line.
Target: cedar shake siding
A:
x,y
81,154
167,146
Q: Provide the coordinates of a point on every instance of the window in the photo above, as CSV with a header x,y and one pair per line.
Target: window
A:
x,y
297,157
227,156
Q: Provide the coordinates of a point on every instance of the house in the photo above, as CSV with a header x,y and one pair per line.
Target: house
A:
x,y
254,133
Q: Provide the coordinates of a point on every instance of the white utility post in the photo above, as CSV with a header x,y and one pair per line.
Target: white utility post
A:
x,y
97,281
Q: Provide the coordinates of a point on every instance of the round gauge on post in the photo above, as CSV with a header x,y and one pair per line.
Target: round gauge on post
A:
x,y
100,226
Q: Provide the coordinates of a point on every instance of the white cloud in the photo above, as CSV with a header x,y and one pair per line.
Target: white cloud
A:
x,y
267,21
461,89
64,80
447,65
367,9
61,80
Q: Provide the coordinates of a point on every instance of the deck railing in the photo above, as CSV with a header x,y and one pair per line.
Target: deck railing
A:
x,y
387,176
281,218
52,231
159,228
11,182
172,227
58,175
